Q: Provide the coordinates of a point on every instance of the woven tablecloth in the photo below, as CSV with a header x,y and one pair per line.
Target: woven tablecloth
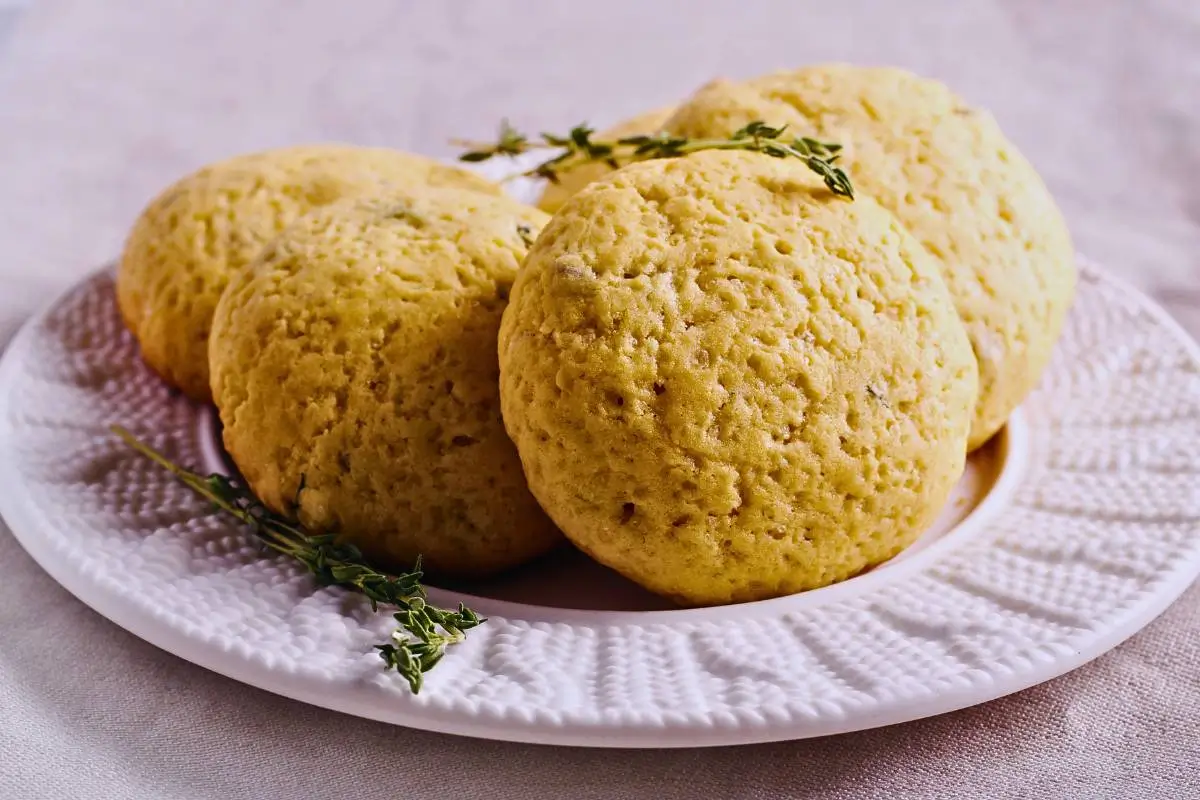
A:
x,y
101,104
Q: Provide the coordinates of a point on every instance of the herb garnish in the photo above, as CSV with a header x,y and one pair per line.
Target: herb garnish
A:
x,y
578,148
424,630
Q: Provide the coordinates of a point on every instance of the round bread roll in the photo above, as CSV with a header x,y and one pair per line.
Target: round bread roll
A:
x,y
954,181
209,225
357,355
728,384
555,194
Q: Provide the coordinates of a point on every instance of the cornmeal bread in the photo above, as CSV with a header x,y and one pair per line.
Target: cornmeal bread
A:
x,y
729,384
948,173
206,227
354,367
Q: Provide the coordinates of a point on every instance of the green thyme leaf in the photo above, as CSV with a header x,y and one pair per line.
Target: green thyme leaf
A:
x,y
424,632
578,148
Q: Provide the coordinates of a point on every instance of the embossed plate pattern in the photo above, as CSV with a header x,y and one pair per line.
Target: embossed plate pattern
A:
x,y
1093,538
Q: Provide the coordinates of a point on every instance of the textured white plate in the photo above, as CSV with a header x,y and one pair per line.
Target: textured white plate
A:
x,y
1072,532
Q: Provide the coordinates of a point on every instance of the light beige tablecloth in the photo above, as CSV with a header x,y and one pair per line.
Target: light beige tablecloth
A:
x,y
103,103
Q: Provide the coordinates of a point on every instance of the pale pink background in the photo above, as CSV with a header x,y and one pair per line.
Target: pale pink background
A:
x,y
103,103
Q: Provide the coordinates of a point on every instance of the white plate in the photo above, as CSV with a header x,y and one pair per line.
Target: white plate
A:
x,y
1072,532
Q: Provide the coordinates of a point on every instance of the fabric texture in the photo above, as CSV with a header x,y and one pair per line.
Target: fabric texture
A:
x,y
101,105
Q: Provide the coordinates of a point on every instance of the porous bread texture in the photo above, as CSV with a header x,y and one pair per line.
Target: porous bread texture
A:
x,y
358,354
728,384
948,173
952,178
206,227
571,181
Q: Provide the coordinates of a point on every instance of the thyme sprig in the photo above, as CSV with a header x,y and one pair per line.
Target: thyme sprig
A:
x,y
579,147
424,630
